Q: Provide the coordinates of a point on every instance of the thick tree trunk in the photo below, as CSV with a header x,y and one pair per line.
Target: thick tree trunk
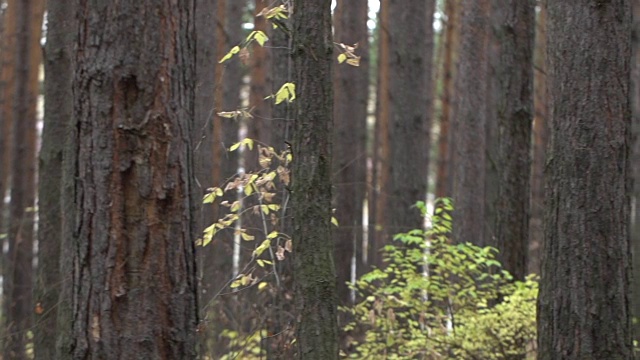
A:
x,y
351,95
471,112
540,141
514,31
58,110
583,310
22,206
133,225
315,282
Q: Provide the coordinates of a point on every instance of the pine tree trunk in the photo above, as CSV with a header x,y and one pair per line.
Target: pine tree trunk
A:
x,y
471,112
58,110
133,224
635,167
514,30
351,95
21,209
583,309
315,281
540,141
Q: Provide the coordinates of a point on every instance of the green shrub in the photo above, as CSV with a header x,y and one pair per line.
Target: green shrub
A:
x,y
466,307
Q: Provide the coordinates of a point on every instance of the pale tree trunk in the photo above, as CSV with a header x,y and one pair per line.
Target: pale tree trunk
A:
x,y
315,287
132,220
583,306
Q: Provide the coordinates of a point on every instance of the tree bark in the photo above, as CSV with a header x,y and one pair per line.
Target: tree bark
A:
x,y
22,207
351,95
315,282
133,224
443,170
514,31
635,166
382,148
58,110
471,112
583,309
540,141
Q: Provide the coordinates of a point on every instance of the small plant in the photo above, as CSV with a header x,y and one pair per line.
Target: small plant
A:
x,y
438,300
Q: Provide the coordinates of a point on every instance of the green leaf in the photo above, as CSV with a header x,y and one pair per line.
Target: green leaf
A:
x,y
234,50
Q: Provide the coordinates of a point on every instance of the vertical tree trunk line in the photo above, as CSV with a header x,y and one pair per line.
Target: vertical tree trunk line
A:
x,y
540,141
583,305
23,184
351,95
58,110
315,287
635,167
133,223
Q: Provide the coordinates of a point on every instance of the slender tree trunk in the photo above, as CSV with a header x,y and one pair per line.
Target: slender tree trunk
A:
x,y
351,95
313,249
133,225
471,112
540,140
7,86
635,166
382,145
583,308
514,31
58,110
443,176
22,206
259,127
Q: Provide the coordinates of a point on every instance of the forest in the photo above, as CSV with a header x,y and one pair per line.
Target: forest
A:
x,y
320,179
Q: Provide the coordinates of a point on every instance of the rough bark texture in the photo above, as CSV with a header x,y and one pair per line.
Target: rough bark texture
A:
x,y
351,95
21,209
134,281
583,309
443,176
471,113
635,167
513,30
315,282
57,113
382,169
540,141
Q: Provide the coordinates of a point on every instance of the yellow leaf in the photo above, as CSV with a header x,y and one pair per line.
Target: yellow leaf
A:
x,y
235,146
234,50
209,198
354,61
247,237
272,235
262,285
287,92
334,221
248,190
342,58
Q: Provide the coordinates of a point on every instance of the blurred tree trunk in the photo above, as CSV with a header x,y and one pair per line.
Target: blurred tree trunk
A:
x,y
133,224
57,112
315,281
512,87
540,141
23,188
351,95
378,219
635,167
471,112
7,87
443,171
583,306
259,127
